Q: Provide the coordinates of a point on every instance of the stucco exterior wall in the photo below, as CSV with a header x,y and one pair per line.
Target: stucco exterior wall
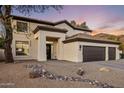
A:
x,y
21,36
71,52
33,41
32,47
59,44
71,31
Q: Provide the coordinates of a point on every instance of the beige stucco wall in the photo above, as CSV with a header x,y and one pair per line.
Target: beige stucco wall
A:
x,y
21,36
32,47
42,44
33,41
71,31
59,44
71,52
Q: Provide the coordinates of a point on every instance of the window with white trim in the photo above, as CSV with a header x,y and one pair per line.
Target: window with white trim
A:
x,y
22,26
22,48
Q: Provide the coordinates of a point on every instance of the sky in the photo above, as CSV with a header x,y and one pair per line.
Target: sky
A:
x,y
100,18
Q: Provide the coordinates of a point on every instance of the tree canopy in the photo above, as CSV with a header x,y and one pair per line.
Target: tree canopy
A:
x,y
82,25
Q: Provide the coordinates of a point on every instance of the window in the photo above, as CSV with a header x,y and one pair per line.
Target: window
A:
x,y
22,48
22,27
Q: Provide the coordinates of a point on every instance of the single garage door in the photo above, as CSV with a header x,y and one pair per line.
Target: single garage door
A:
x,y
93,53
112,53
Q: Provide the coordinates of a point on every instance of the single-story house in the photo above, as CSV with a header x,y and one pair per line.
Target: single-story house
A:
x,y
42,40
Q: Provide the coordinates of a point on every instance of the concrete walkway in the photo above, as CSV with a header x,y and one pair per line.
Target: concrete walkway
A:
x,y
118,64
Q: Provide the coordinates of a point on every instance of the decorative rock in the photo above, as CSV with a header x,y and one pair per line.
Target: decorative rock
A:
x,y
60,77
76,79
80,72
34,75
65,78
104,69
39,71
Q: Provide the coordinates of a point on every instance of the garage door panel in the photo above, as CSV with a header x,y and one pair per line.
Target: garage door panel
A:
x,y
93,53
112,53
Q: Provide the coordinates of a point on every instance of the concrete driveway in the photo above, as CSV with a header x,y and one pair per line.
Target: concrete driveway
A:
x,y
118,64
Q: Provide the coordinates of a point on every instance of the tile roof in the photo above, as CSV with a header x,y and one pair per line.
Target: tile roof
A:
x,y
50,28
88,38
48,22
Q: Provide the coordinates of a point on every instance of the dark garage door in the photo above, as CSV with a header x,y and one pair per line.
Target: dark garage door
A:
x,y
93,53
112,53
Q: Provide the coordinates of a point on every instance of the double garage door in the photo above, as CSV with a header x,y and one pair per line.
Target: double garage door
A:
x,y
95,53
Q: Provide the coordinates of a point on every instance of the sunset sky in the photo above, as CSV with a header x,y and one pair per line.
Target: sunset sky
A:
x,y
105,19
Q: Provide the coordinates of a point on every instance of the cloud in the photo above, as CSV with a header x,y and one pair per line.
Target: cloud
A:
x,y
105,27
114,20
112,23
117,31
121,29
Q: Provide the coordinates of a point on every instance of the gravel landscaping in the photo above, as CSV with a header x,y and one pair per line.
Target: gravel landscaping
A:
x,y
60,74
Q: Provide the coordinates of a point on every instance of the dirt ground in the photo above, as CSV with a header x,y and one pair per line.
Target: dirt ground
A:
x,y
17,75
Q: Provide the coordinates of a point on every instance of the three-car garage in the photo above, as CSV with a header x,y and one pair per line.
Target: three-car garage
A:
x,y
97,53
86,49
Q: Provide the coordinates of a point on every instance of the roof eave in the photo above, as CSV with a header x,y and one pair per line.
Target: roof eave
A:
x,y
76,28
31,20
46,28
47,22
90,40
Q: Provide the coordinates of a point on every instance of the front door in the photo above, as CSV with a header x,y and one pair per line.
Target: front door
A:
x,y
48,49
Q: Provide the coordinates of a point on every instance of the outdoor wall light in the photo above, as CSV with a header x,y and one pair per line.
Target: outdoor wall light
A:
x,y
79,47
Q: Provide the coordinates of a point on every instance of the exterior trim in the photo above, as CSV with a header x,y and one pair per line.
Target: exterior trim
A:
x,y
15,48
49,28
90,40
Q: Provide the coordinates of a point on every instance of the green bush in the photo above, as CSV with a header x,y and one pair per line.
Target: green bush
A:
x,y
1,43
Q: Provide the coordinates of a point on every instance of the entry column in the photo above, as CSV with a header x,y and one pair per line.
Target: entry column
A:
x,y
60,49
106,54
41,46
117,53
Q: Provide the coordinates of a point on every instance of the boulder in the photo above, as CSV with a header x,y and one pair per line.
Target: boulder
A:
x,y
34,75
80,72
36,72
104,69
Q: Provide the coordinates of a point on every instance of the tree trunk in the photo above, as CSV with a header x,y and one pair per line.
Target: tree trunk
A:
x,y
9,35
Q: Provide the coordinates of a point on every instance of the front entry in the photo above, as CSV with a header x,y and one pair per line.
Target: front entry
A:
x,y
48,51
